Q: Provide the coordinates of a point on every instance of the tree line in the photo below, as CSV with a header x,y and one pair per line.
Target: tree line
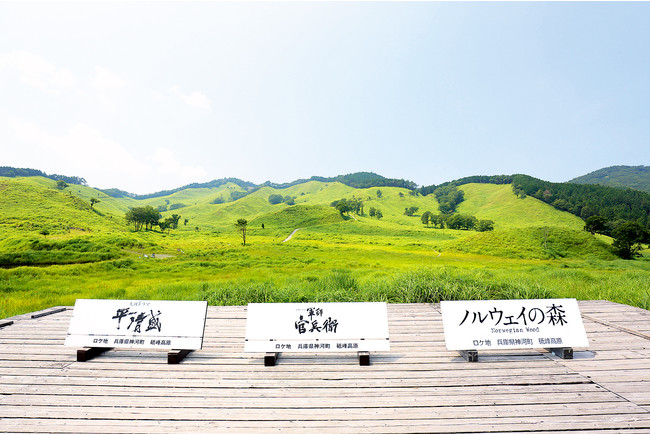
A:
x,y
456,221
275,199
355,180
148,217
13,172
629,237
616,205
346,206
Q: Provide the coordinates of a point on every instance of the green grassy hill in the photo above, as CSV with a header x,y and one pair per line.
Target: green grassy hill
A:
x,y
34,203
499,203
636,177
524,228
534,251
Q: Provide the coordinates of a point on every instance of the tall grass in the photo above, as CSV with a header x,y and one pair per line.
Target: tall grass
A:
x,y
423,286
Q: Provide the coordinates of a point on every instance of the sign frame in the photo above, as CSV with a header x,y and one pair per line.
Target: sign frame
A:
x,y
99,325
274,328
552,324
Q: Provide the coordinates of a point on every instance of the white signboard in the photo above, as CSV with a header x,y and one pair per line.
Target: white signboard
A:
x,y
137,324
316,327
499,324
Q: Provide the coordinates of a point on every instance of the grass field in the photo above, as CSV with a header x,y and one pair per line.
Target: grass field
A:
x,y
534,251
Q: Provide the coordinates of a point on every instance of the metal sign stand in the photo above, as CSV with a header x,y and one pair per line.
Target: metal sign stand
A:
x,y
270,359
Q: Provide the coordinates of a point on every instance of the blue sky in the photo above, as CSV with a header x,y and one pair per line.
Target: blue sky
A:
x,y
154,95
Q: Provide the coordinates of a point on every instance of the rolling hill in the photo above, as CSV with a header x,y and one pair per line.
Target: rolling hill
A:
x,y
636,177
56,247
30,204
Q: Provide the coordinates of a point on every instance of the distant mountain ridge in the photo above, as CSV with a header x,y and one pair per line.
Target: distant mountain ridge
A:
x,y
582,200
12,172
355,180
636,177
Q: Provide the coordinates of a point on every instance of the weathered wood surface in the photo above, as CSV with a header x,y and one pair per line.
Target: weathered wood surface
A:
x,y
416,387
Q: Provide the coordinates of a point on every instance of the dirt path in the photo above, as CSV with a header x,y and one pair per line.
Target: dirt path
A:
x,y
291,235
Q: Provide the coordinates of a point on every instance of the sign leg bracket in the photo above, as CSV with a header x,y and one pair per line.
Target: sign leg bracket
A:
x,y
364,358
87,353
174,357
270,359
562,352
469,355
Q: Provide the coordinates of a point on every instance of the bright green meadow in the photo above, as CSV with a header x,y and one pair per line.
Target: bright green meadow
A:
x,y
55,248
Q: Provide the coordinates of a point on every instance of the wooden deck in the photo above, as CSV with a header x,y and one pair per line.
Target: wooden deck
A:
x,y
416,387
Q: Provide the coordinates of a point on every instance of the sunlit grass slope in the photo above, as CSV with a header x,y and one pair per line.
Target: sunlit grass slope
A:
x,y
255,206
30,204
524,228
533,243
499,203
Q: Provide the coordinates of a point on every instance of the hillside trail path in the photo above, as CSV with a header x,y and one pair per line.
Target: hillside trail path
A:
x,y
291,235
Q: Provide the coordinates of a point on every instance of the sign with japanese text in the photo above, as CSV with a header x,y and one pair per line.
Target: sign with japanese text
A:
x,y
500,324
316,327
137,324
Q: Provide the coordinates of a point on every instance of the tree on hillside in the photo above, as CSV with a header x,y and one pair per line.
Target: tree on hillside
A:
x,y
45,232
343,207
169,223
140,217
241,226
629,239
448,198
460,221
93,201
596,225
426,218
61,184
275,199
485,225
410,211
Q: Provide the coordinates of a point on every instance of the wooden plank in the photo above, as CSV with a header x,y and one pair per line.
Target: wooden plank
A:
x,y
272,398
494,424
320,413
416,387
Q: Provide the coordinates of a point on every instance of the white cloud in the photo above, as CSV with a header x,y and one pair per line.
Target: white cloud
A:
x,y
37,72
81,149
195,99
106,85
105,80
167,164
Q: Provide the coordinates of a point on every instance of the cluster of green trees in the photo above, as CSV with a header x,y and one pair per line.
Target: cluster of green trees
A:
x,y
148,217
587,200
346,206
629,237
448,198
374,212
275,199
410,211
456,221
